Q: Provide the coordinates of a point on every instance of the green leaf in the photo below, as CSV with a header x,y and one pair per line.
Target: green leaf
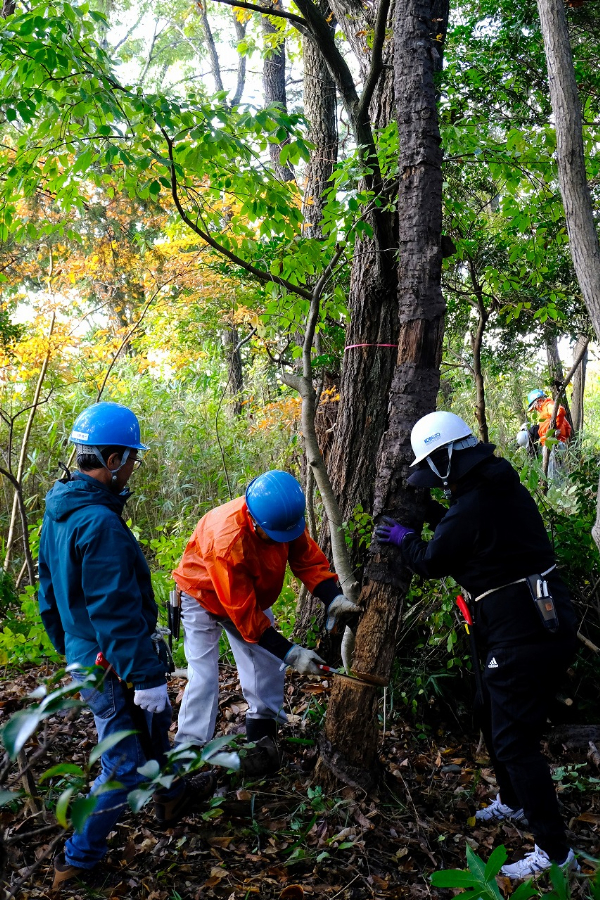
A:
x,y
150,769
495,862
62,769
475,864
62,807
107,743
8,796
451,878
19,729
524,891
81,810
138,798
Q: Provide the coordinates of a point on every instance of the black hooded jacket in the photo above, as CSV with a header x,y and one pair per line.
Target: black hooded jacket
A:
x,y
493,534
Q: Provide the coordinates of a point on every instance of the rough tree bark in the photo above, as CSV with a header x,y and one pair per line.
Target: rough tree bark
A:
x,y
575,192
320,111
557,375
349,748
476,347
234,368
240,33
577,406
274,87
211,47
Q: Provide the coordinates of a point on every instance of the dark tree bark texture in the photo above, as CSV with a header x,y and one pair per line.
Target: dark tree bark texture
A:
x,y
577,405
211,47
557,375
320,110
350,746
234,369
274,88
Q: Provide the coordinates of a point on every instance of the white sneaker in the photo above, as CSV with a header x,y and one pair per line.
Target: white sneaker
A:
x,y
498,812
536,863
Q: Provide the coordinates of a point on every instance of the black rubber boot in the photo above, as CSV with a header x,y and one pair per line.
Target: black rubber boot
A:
x,y
196,789
263,759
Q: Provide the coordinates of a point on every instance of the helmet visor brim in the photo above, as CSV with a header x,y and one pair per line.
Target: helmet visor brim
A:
x,y
290,534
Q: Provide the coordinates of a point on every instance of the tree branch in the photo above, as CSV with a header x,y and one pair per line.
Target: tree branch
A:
x,y
268,11
376,60
559,395
212,49
263,276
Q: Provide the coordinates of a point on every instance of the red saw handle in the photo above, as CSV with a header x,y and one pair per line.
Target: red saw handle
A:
x,y
460,602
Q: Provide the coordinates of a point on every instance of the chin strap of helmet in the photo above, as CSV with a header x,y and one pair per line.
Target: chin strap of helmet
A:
x,y
444,478
462,444
113,472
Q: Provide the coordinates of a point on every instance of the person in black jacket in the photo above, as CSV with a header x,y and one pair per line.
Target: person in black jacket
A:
x,y
492,540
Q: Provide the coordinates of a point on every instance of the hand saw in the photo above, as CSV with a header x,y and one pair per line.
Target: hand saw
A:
x,y
356,677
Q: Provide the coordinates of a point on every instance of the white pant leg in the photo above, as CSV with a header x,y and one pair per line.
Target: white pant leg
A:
x,y
199,706
262,676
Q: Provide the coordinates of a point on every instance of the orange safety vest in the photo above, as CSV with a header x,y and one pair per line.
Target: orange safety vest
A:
x,y
563,429
234,574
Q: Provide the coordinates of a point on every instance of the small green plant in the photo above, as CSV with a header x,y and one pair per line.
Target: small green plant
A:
x,y
478,880
571,777
23,638
358,529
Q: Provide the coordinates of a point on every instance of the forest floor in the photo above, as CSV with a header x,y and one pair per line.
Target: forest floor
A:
x,y
281,837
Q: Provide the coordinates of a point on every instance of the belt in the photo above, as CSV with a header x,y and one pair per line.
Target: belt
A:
x,y
510,583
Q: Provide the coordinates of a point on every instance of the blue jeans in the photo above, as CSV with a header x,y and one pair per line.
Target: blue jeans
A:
x,y
112,712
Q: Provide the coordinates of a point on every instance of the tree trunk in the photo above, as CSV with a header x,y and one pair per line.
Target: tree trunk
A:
x,y
240,33
274,86
557,375
476,345
234,368
576,197
577,408
211,47
349,749
320,111
18,508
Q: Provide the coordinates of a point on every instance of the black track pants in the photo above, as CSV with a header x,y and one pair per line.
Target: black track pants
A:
x,y
519,684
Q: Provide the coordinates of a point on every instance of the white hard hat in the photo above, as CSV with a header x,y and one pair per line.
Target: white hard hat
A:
x,y
523,436
438,429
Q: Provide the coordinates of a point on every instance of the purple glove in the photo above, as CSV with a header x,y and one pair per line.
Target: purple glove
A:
x,y
391,532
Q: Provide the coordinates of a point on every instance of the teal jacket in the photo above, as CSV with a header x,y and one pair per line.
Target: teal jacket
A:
x,y
95,592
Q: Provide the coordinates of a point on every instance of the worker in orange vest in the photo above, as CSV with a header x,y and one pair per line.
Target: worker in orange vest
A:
x,y
539,402
231,573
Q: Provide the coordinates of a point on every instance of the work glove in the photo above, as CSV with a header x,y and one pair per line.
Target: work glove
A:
x,y
391,532
523,436
305,661
153,699
338,612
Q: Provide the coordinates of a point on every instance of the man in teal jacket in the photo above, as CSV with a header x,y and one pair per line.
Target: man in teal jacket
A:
x,y
96,596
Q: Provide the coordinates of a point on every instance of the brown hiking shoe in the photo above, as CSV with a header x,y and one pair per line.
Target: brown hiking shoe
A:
x,y
195,789
64,872
262,759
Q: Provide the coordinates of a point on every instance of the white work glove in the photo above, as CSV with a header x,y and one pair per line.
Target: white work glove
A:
x,y
153,699
523,436
303,660
339,610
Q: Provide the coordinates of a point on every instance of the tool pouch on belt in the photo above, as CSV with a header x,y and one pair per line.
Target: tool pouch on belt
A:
x,y
543,601
162,648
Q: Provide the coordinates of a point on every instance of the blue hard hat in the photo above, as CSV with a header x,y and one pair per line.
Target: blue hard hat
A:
x,y
276,502
107,425
534,395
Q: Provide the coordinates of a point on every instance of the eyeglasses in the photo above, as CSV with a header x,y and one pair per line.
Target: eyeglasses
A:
x,y
137,462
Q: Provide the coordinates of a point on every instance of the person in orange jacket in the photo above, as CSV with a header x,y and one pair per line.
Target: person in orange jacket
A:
x,y
231,573
544,406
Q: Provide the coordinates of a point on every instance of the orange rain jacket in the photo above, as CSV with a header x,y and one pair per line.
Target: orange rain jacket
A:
x,y
234,574
545,410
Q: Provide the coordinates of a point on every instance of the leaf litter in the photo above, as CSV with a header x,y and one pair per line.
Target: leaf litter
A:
x,y
282,837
